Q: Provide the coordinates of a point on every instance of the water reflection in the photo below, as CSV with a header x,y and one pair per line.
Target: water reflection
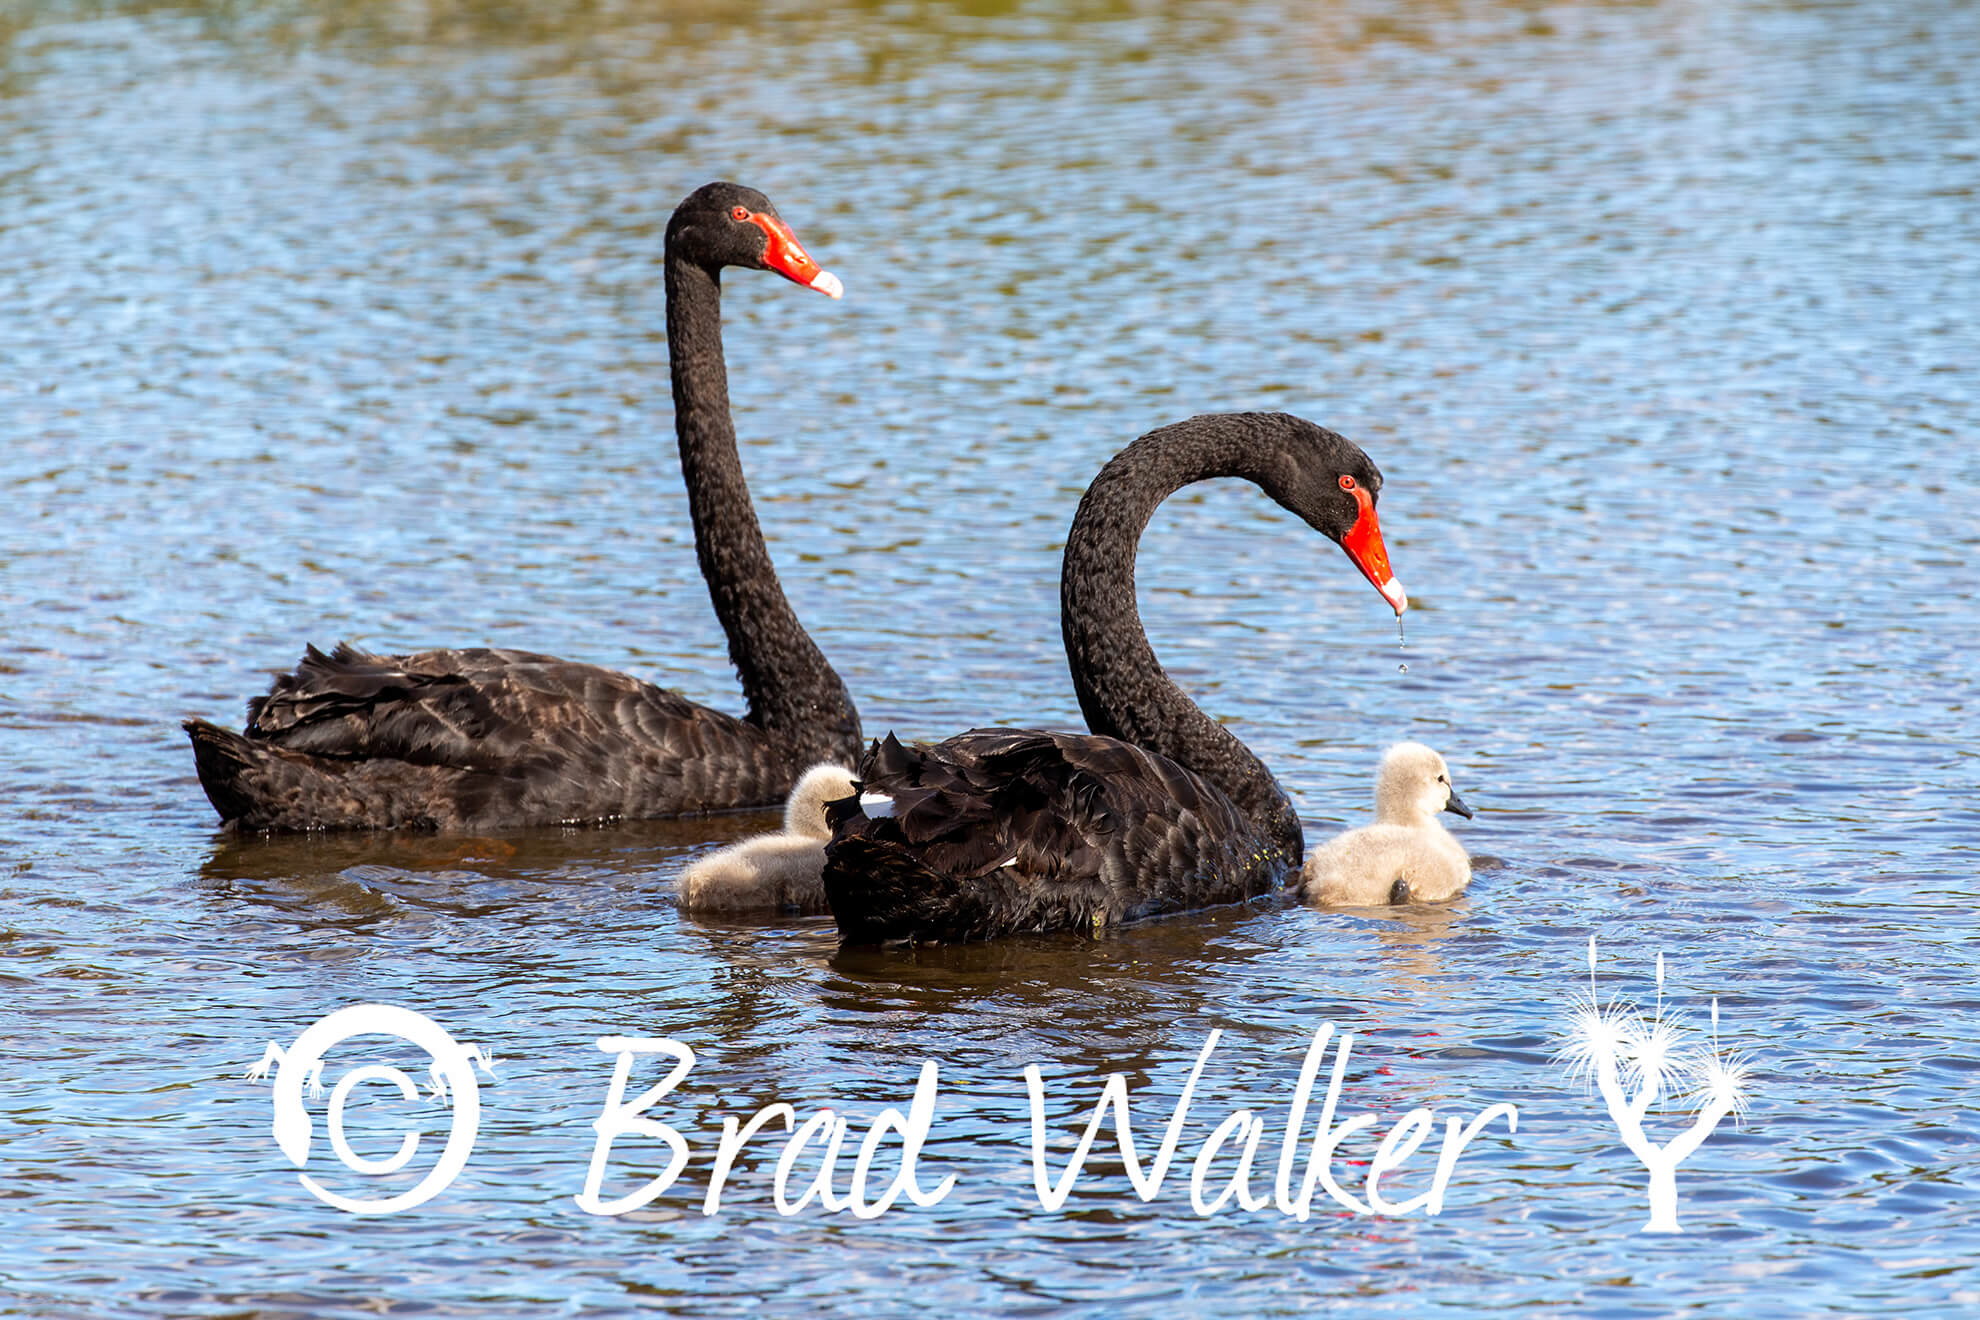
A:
x,y
1409,940
386,875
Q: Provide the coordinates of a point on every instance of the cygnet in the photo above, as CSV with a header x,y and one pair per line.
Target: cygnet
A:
x,y
773,872
1406,856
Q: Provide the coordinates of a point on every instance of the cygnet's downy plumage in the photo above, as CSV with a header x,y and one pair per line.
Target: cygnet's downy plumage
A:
x,y
773,872
1406,856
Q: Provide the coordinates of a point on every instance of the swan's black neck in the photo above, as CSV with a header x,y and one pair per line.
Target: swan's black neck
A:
x,y
791,690
1122,689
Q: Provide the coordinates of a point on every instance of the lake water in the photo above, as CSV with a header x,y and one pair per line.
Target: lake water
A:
x,y
345,321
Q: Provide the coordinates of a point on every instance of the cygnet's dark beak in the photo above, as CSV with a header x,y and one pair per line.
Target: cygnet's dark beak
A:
x,y
1457,804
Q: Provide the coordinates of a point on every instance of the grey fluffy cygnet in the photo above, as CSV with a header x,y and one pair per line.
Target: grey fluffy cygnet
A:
x,y
773,872
1406,856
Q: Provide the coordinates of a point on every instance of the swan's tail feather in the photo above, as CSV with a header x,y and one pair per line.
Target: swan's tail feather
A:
x,y
974,841
257,786
881,892
224,761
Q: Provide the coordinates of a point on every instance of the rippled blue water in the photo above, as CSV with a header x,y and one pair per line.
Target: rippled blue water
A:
x,y
345,321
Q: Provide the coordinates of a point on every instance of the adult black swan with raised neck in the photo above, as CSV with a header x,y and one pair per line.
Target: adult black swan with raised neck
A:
x,y
473,740
1159,808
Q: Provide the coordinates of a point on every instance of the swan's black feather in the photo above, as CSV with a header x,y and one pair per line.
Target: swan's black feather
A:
x,y
480,707
464,741
998,831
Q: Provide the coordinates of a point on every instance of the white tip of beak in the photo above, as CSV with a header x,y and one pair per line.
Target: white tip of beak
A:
x,y
1393,593
828,284
875,805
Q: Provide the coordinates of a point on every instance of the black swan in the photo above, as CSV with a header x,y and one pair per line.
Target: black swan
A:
x,y
1159,809
466,741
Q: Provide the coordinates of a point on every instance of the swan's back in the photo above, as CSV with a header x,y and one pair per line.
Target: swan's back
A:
x,y
459,741
479,708
999,831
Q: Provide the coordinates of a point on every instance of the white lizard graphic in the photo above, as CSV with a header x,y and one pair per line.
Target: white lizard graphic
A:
x,y
312,1080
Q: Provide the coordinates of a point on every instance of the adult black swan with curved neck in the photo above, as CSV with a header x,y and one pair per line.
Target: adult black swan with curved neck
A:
x,y
464,741
1159,808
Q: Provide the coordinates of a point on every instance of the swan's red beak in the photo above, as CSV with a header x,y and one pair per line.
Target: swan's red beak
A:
x,y
785,255
1363,543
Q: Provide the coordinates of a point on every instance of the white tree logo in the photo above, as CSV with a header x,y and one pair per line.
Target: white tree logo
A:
x,y
1624,1051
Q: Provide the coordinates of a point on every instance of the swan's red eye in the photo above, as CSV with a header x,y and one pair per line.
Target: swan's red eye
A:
x,y
1347,483
740,212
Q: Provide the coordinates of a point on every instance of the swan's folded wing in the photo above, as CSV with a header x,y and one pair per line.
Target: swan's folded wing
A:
x,y
1011,829
473,709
